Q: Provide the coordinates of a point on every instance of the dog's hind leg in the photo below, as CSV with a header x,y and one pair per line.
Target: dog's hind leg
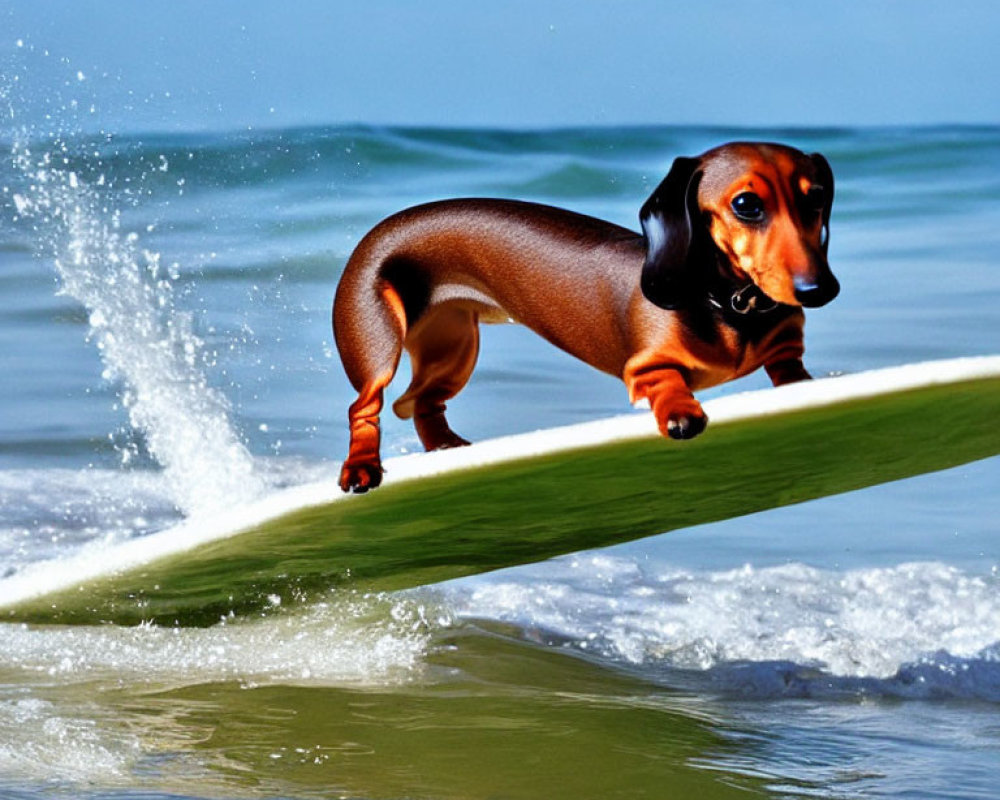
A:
x,y
369,325
443,348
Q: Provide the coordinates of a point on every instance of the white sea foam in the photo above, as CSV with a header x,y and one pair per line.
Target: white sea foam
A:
x,y
41,739
48,513
148,345
58,514
920,628
352,639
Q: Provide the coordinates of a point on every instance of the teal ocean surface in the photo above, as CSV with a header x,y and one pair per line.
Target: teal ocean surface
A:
x,y
165,336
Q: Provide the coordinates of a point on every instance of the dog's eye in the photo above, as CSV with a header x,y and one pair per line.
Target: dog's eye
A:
x,y
748,207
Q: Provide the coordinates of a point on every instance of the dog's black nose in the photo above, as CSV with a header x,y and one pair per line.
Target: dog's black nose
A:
x,y
813,294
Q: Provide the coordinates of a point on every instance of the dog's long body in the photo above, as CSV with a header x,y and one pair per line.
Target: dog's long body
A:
x,y
733,245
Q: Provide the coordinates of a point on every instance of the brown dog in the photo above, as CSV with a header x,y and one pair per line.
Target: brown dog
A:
x,y
734,244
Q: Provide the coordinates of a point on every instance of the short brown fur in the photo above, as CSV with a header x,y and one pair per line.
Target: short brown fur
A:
x,y
663,311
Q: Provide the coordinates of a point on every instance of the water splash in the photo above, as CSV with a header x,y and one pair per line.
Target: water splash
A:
x,y
147,343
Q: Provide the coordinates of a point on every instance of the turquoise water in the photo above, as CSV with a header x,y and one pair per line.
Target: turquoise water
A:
x,y
166,346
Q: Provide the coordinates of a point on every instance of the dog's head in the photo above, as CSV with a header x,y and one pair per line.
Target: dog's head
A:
x,y
764,208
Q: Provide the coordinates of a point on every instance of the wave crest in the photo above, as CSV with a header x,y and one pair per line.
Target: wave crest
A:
x,y
913,630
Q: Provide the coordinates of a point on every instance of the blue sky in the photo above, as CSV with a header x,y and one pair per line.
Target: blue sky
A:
x,y
185,65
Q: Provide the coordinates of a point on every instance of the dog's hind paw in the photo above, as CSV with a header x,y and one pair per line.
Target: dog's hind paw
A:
x,y
359,477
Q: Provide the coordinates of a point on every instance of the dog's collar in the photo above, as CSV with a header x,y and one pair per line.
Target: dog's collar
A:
x,y
748,299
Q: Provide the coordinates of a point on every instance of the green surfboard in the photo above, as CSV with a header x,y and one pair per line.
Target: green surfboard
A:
x,y
527,498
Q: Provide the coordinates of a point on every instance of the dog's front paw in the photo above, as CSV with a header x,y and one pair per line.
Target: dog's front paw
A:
x,y
686,426
679,415
360,476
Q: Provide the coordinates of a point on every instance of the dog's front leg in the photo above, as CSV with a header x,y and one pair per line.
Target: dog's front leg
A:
x,y
678,414
782,354
787,370
783,362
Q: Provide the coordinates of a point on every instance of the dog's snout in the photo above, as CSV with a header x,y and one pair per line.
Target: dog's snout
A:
x,y
816,291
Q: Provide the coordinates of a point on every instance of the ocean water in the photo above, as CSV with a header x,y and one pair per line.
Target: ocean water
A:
x,y
167,353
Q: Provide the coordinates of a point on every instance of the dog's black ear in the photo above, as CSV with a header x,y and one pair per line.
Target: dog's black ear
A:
x,y
824,177
669,221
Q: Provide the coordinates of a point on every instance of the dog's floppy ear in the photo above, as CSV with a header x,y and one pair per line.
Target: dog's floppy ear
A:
x,y
824,177
669,219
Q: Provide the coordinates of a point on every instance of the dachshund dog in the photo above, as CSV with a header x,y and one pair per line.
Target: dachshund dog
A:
x,y
733,246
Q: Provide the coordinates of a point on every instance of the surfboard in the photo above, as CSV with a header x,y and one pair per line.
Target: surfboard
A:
x,y
529,497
